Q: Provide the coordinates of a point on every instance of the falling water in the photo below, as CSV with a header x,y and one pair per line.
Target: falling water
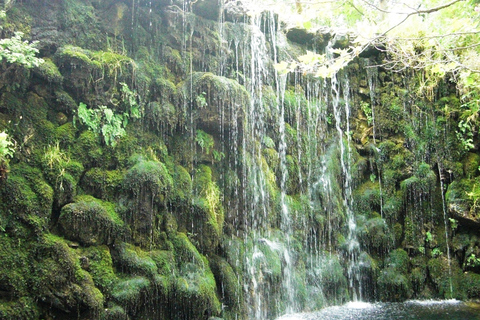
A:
x,y
444,206
353,246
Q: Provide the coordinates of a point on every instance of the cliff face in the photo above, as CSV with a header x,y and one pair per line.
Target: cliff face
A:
x,y
164,169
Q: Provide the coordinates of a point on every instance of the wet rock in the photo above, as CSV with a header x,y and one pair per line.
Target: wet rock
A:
x,y
208,9
90,221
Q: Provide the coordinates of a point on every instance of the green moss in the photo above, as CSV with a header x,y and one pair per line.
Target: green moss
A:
x,y
103,184
100,267
227,283
134,260
164,260
393,286
87,149
375,236
471,164
447,278
148,175
128,292
367,198
334,283
66,134
49,72
60,279
186,251
90,221
27,196
182,187
23,308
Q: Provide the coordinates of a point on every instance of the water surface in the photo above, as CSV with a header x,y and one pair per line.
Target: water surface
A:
x,y
414,309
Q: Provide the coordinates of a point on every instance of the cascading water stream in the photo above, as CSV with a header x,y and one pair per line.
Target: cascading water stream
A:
x,y
447,242
352,244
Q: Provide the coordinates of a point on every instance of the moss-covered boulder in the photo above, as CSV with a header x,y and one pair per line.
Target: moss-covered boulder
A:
x,y
217,101
393,281
462,201
90,221
27,196
147,185
60,280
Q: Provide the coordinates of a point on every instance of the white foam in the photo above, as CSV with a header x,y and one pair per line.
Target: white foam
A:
x,y
434,302
359,305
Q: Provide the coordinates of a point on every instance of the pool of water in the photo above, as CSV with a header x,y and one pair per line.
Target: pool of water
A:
x,y
414,309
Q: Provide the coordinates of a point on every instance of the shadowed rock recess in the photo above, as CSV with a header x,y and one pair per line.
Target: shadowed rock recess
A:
x,y
164,169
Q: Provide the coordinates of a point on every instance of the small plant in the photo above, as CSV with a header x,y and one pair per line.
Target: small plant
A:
x,y
14,50
473,261
436,252
465,135
201,100
54,156
104,121
453,224
218,156
205,141
7,149
428,237
367,110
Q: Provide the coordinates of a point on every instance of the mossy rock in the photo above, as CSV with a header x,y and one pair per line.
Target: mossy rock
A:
x,y
393,286
90,221
133,260
26,195
228,283
471,163
447,278
182,187
60,280
375,236
461,197
15,269
49,72
88,150
147,185
100,266
103,184
216,101
23,308
130,292
333,281
471,281
150,177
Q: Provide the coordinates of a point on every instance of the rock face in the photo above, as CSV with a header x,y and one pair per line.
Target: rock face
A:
x,y
199,182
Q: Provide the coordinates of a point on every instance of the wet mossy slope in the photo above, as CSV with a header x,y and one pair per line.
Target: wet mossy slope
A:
x,y
129,194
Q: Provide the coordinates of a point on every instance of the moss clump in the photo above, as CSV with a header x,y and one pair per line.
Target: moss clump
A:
x,y
26,195
333,281
23,308
182,187
148,177
134,260
90,221
376,237
367,198
130,292
393,281
206,222
103,184
471,164
87,150
60,280
49,72
100,266
228,283
447,278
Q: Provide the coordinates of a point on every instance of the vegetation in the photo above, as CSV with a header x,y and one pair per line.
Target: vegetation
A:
x,y
165,162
